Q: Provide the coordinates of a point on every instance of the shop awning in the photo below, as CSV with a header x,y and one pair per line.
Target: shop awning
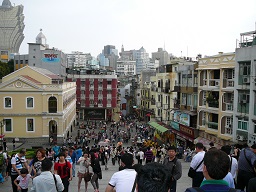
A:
x,y
157,126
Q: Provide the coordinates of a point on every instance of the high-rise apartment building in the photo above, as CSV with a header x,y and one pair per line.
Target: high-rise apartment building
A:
x,y
161,55
78,59
11,29
142,60
244,119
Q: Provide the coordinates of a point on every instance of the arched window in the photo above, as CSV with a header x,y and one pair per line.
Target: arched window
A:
x,y
52,105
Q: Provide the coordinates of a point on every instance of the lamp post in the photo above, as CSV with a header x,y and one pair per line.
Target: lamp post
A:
x,y
2,123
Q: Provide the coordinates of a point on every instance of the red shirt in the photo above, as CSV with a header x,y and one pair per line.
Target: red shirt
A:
x,y
62,169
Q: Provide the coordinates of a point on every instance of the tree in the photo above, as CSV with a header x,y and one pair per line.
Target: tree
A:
x,y
4,69
11,65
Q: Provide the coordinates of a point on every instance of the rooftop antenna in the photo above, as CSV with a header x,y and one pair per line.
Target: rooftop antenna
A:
x,y
164,45
187,51
181,54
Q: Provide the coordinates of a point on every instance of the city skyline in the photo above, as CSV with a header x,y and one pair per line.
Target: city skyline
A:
x,y
183,28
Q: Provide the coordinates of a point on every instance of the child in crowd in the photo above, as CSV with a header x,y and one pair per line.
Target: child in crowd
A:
x,y
22,180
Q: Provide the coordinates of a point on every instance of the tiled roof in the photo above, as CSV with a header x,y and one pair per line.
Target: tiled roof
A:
x,y
31,79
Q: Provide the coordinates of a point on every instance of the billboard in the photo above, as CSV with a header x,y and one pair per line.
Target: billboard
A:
x,y
94,114
50,58
182,118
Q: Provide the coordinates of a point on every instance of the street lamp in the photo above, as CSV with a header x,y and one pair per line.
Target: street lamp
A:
x,y
2,123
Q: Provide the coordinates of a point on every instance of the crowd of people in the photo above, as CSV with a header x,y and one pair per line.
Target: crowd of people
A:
x,y
143,166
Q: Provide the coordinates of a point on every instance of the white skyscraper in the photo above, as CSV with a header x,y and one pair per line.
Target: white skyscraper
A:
x,y
11,29
142,60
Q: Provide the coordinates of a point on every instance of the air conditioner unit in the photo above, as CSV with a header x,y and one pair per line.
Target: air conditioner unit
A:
x,y
240,137
246,79
217,83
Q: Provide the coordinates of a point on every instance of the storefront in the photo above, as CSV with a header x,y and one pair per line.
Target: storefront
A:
x,y
161,133
94,114
184,135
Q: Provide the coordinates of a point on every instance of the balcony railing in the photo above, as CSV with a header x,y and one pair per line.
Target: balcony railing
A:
x,y
228,83
91,96
212,125
229,107
109,96
214,104
214,82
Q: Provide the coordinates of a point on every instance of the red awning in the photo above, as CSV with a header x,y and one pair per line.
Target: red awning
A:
x,y
148,115
2,136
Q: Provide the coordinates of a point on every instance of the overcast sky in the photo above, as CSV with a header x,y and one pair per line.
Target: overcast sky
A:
x,y
187,26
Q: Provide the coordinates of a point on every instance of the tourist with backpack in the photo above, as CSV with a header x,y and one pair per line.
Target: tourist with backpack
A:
x,y
216,166
173,164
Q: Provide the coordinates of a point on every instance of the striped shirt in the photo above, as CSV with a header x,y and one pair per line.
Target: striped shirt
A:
x,y
18,162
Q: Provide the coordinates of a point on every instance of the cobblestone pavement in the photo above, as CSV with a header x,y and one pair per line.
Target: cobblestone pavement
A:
x,y
183,183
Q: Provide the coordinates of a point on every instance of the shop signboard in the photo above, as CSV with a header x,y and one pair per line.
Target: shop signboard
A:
x,y
94,114
50,58
182,118
187,131
175,125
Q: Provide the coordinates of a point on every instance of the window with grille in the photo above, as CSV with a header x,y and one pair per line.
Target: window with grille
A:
x,y
30,124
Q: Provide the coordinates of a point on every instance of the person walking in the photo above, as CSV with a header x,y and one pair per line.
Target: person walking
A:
x,y
22,180
123,180
148,155
197,162
64,169
174,166
96,172
47,181
83,170
5,145
140,156
246,161
73,155
37,161
18,162
216,166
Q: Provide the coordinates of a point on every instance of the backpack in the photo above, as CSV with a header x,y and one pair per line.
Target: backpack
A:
x,y
198,189
2,160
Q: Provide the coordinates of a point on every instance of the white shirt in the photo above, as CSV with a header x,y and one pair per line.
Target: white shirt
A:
x,y
45,182
141,154
123,180
230,180
196,161
83,166
234,167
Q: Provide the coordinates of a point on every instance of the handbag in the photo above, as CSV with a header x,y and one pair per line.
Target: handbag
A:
x,y
99,175
87,176
192,172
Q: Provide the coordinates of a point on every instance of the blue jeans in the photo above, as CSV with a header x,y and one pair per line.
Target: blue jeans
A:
x,y
73,169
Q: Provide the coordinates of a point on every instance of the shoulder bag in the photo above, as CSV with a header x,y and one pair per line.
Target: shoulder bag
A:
x,y
192,172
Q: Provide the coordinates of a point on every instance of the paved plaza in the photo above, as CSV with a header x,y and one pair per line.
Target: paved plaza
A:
x,y
183,183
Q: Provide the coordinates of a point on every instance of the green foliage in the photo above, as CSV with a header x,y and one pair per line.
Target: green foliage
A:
x,y
30,153
11,65
4,69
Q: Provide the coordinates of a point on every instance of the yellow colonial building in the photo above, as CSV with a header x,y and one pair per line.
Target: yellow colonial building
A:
x,y
37,104
216,98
